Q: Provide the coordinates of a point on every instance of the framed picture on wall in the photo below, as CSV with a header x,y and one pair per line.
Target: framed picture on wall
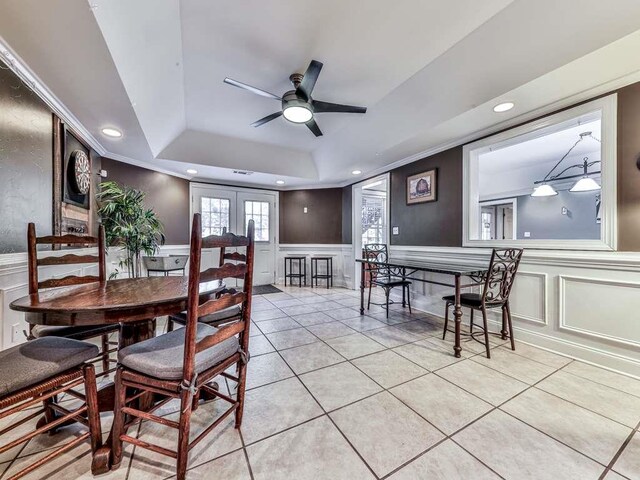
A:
x,y
422,187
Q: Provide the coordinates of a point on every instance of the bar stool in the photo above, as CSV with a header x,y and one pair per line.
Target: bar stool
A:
x,y
328,275
302,270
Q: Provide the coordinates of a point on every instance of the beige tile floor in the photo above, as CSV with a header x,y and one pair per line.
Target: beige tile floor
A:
x,y
335,395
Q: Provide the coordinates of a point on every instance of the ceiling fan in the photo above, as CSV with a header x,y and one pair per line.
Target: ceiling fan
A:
x,y
297,105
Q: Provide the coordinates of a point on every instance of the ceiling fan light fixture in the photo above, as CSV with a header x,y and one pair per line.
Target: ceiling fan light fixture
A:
x,y
297,114
585,184
544,190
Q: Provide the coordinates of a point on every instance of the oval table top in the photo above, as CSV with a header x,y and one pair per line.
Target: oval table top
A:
x,y
113,301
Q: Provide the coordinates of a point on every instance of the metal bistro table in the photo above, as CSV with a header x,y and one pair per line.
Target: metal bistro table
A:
x,y
408,268
133,303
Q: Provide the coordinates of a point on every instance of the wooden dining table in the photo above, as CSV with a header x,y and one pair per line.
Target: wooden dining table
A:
x,y
133,303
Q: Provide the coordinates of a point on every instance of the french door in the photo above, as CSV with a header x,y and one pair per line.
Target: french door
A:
x,y
231,209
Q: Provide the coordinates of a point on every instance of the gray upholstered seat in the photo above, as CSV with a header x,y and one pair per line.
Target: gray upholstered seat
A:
x,y
218,317
32,362
71,331
162,357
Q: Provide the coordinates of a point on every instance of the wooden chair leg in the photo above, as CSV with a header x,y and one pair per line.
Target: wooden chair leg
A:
x,y
446,320
513,341
118,420
183,435
49,413
105,352
93,416
242,377
471,321
486,332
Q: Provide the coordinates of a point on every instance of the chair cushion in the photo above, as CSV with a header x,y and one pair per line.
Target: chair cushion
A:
x,y
390,281
40,359
75,332
213,318
470,300
162,357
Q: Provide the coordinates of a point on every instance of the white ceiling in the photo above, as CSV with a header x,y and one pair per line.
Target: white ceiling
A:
x,y
429,71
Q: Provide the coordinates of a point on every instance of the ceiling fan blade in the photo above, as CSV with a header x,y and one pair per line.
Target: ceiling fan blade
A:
x,y
310,78
255,90
266,119
313,126
326,107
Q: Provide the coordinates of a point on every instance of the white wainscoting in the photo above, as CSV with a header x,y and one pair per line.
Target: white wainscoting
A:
x,y
14,284
582,304
343,263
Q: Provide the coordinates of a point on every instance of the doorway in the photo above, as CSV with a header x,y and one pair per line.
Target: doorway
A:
x,y
498,219
231,208
370,216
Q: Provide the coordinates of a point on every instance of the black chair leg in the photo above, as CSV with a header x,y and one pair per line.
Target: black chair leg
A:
x,y
486,332
446,320
471,322
387,291
409,299
369,301
513,342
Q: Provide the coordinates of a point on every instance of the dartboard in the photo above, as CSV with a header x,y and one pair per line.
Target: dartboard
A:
x,y
79,172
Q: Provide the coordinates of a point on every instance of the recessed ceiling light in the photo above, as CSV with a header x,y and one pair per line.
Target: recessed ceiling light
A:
x,y
192,171
356,172
503,107
280,182
112,132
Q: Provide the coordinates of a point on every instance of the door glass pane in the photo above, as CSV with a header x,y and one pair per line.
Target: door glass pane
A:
x,y
215,215
259,213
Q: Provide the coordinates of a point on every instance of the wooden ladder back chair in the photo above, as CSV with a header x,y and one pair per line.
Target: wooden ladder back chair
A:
x,y
497,284
38,372
35,284
223,316
385,277
182,363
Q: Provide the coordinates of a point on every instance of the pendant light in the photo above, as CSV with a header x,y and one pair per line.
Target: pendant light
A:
x,y
544,190
584,184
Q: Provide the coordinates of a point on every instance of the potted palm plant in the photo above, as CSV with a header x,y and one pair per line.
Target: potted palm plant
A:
x,y
128,224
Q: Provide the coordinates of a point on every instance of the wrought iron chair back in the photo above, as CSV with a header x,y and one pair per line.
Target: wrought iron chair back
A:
x,y
377,252
500,276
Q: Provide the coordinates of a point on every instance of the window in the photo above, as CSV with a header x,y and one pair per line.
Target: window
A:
x,y
215,215
373,221
259,213
550,183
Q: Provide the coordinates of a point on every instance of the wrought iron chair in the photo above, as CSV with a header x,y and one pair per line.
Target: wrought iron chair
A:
x,y
223,316
497,285
72,332
182,363
38,372
385,277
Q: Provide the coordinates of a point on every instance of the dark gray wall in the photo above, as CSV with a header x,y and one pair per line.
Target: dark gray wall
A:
x,y
26,163
436,223
347,202
542,216
321,224
166,194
